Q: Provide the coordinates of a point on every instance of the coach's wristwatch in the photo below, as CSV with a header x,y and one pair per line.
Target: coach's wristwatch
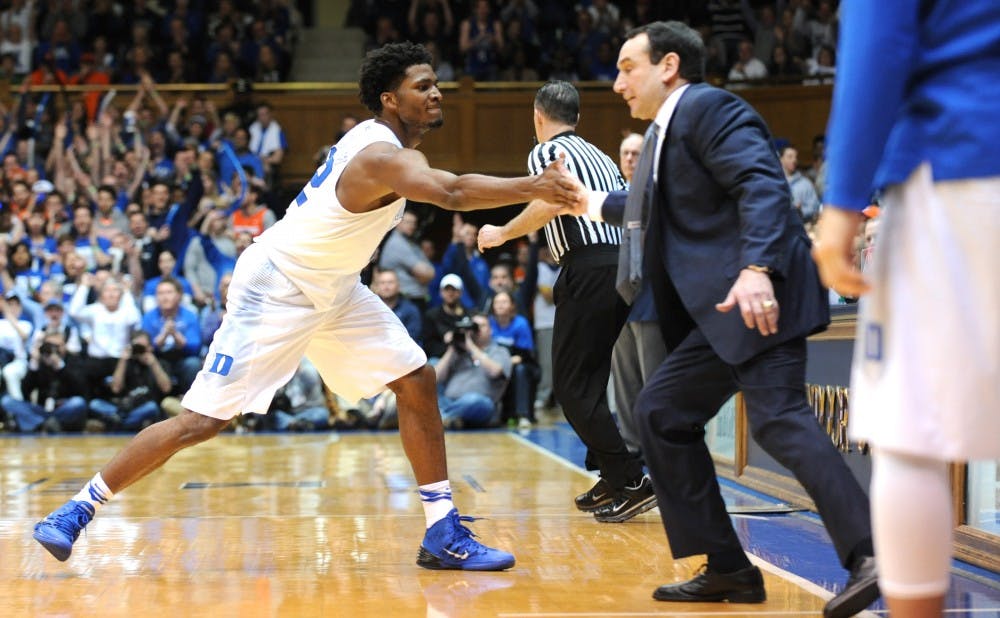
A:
x,y
759,269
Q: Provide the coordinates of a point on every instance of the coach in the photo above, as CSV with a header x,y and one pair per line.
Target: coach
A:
x,y
710,204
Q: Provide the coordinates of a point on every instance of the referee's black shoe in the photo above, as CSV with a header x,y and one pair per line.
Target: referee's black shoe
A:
x,y
634,499
595,497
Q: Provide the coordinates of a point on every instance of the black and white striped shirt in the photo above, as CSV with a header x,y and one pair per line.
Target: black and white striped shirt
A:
x,y
597,172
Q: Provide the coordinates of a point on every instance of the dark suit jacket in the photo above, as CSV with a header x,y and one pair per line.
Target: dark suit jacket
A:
x,y
722,203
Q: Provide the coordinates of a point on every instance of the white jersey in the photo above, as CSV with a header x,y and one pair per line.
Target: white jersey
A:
x,y
319,245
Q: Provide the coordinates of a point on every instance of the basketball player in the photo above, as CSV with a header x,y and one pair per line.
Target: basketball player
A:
x,y
296,291
924,386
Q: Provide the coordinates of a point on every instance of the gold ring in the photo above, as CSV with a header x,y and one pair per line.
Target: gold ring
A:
x,y
767,304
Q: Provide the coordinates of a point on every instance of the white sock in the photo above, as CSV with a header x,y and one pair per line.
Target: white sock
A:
x,y
436,499
95,493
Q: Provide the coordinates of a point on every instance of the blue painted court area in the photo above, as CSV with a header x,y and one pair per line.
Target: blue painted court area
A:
x,y
797,542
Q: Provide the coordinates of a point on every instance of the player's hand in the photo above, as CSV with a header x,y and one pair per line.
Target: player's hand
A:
x,y
834,251
754,294
490,236
557,185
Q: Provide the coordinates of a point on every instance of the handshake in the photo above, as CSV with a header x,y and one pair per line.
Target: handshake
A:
x,y
560,193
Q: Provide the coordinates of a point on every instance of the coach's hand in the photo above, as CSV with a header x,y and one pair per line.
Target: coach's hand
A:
x,y
754,293
834,251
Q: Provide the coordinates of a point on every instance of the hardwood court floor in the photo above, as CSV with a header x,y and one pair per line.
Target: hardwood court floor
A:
x,y
327,525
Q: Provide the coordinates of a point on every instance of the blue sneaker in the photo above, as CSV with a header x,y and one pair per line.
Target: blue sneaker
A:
x,y
60,528
450,545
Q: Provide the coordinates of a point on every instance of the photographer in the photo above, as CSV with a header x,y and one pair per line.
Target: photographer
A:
x,y
55,381
138,384
472,375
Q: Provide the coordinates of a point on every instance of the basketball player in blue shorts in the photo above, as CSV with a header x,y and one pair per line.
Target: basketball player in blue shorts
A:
x,y
296,291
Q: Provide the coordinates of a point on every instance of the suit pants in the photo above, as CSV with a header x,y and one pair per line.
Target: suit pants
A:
x,y
686,391
638,352
589,315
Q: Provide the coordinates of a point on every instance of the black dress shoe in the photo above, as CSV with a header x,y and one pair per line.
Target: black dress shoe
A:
x,y
860,591
746,586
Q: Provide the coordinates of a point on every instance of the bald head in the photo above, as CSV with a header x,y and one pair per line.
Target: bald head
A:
x,y
628,154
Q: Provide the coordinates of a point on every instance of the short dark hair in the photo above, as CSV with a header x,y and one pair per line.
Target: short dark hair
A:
x,y
673,36
172,282
383,70
559,100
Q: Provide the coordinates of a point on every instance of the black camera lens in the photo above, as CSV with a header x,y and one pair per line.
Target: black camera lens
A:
x,y
47,349
138,349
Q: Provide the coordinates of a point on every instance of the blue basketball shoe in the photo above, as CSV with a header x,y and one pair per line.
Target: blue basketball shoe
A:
x,y
60,528
450,545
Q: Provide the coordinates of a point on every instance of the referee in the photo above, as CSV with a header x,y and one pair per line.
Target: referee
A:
x,y
589,312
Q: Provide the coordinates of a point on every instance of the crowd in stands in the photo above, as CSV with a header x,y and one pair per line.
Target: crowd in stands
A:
x,y
173,41
121,216
530,40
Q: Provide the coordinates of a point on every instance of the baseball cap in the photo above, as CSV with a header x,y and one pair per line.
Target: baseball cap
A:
x,y
451,280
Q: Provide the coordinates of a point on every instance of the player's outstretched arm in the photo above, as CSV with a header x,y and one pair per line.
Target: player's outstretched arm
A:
x,y
406,172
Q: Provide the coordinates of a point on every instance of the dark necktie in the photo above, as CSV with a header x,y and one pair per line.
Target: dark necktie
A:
x,y
637,205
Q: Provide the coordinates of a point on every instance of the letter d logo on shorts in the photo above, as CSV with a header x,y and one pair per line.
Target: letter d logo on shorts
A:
x,y
221,365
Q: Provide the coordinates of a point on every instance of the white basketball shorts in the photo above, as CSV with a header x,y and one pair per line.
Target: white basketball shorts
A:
x,y
358,345
926,374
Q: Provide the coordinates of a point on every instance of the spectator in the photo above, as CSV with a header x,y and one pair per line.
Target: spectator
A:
x,y
782,64
268,142
14,331
20,274
472,375
138,385
823,67
175,333
480,42
216,310
19,46
56,382
108,219
747,66
463,258
167,269
386,286
252,217
246,158
107,322
268,68
402,254
55,320
301,404
513,332
441,320
605,17
544,311
804,198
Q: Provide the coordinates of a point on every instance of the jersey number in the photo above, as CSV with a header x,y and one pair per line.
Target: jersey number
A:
x,y
318,177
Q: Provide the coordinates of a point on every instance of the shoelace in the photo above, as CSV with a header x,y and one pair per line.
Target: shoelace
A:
x,y
70,523
465,540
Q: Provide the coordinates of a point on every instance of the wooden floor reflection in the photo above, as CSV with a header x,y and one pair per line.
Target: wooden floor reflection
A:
x,y
326,525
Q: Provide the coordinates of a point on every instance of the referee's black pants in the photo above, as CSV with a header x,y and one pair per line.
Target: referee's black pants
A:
x,y
589,315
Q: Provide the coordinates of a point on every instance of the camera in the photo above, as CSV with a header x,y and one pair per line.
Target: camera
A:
x,y
465,325
460,329
138,349
48,349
